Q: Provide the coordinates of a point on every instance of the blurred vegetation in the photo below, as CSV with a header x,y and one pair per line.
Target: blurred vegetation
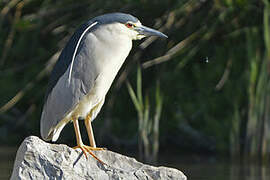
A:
x,y
213,72
148,126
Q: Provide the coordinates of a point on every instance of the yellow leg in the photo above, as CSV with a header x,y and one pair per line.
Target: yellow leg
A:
x,y
90,133
89,129
80,144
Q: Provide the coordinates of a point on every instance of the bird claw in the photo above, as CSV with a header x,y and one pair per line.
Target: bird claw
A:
x,y
96,148
87,149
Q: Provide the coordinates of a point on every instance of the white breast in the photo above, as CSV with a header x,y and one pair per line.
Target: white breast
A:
x,y
110,52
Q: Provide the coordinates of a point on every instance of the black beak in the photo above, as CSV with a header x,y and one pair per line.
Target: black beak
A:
x,y
146,31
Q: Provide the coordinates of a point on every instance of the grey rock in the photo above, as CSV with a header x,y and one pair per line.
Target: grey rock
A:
x,y
37,159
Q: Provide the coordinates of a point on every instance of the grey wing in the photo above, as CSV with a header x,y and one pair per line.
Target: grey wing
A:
x,y
72,78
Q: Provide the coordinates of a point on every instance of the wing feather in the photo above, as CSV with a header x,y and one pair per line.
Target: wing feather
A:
x,y
72,78
76,49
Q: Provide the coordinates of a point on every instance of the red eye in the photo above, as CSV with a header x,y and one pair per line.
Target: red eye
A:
x,y
129,25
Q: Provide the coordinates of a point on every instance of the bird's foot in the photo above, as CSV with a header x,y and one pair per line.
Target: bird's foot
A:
x,y
96,148
87,149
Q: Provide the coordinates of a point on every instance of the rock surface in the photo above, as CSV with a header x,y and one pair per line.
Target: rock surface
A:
x,y
37,159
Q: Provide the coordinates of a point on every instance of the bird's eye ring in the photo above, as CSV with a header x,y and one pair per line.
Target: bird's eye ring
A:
x,y
129,25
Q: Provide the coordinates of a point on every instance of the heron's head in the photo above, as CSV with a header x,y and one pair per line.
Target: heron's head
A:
x,y
128,25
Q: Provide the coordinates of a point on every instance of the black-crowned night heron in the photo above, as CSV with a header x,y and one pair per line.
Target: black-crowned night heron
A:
x,y
85,71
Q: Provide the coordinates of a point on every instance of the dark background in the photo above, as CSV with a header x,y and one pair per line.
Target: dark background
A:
x,y
212,73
